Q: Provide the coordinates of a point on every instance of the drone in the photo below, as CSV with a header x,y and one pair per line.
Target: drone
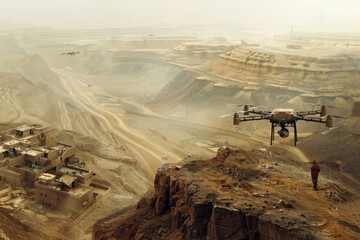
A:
x,y
71,53
283,118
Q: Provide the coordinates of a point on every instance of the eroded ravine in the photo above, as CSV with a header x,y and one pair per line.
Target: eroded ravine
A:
x,y
143,149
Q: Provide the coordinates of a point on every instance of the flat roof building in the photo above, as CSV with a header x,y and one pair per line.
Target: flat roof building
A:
x,y
30,156
63,193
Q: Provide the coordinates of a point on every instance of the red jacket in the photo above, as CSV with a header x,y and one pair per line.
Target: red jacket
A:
x,y
315,169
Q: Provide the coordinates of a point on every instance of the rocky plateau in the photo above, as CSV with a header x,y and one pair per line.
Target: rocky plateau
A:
x,y
239,194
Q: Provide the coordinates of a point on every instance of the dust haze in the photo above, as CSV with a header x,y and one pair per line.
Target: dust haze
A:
x,y
137,84
277,15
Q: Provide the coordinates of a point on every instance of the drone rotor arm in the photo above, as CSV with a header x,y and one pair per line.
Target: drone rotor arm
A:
x,y
253,118
312,119
336,116
305,113
232,114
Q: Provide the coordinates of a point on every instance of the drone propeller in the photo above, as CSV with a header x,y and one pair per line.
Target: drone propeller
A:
x,y
336,116
247,109
240,105
227,115
231,114
324,117
330,129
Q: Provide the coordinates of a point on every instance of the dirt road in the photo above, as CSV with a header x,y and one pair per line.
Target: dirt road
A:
x,y
149,153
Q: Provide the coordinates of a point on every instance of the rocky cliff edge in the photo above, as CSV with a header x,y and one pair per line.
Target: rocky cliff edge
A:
x,y
258,194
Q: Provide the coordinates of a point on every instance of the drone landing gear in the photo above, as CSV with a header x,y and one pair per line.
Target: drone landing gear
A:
x,y
295,134
283,125
272,136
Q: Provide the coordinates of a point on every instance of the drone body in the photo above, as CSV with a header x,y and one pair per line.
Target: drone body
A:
x,y
73,53
283,118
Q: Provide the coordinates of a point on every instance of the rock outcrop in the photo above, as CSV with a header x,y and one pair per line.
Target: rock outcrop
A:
x,y
273,62
313,72
236,195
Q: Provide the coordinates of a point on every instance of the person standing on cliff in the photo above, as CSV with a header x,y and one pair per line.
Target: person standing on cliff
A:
x,y
315,169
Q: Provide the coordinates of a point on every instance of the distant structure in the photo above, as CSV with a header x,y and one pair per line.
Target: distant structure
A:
x,y
31,157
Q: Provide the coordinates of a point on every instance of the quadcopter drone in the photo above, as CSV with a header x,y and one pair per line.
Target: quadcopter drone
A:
x,y
282,118
73,53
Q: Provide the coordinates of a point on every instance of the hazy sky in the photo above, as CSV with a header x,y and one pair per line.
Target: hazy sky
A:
x,y
318,15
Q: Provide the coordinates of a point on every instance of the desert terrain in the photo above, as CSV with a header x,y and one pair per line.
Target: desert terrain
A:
x,y
134,99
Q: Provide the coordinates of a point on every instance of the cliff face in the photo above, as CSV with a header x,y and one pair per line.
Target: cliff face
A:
x,y
237,195
314,72
276,62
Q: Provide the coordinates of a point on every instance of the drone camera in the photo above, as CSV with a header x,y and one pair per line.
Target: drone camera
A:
x,y
284,133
